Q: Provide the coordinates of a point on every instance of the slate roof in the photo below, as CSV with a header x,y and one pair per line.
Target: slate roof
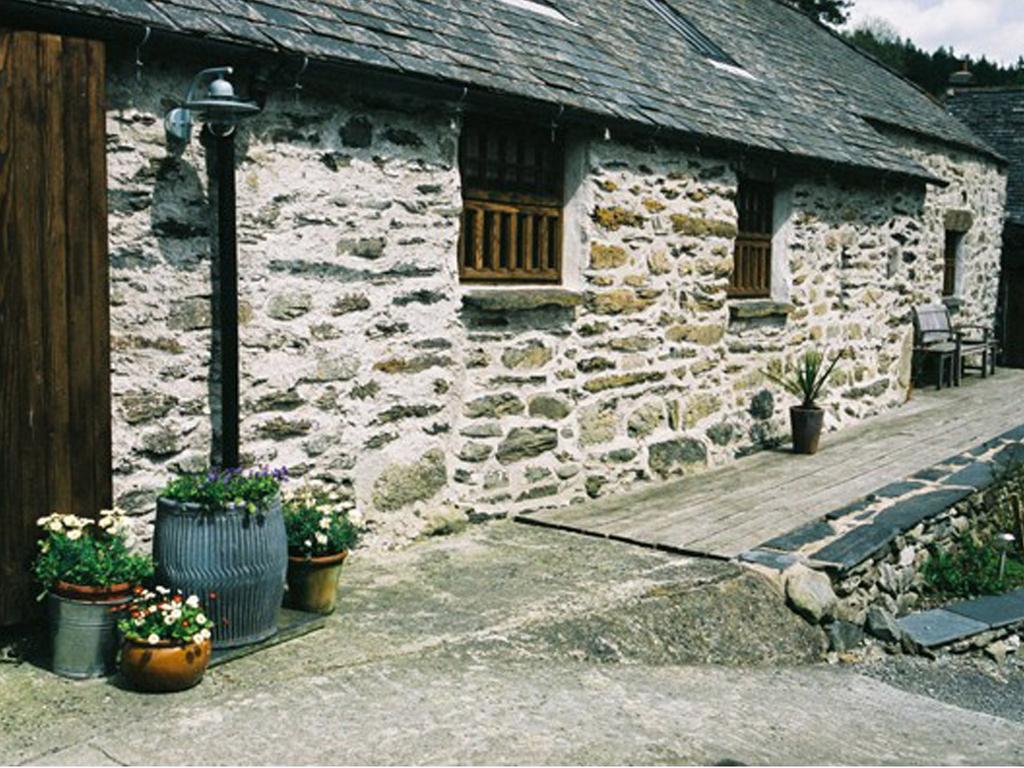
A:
x,y
809,94
997,115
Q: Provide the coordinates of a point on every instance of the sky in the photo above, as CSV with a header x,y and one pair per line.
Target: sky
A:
x,y
991,27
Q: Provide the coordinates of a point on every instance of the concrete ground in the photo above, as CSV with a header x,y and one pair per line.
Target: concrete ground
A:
x,y
513,644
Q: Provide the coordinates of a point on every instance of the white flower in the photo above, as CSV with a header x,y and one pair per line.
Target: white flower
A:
x,y
75,533
321,538
307,543
325,523
56,526
139,621
153,639
70,521
106,522
169,619
192,601
163,590
355,517
200,618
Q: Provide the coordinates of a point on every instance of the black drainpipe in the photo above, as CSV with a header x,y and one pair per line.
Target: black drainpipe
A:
x,y
226,314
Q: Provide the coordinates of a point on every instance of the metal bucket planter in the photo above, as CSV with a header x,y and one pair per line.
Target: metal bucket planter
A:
x,y
83,635
239,556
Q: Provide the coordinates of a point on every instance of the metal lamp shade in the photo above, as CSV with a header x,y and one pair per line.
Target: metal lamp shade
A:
x,y
222,110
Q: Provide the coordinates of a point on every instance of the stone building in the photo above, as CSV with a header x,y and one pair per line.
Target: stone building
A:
x,y
502,254
997,115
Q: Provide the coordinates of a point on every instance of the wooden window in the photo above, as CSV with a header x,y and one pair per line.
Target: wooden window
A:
x,y
752,263
512,177
952,249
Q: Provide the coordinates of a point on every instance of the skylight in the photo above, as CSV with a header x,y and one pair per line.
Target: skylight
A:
x,y
539,8
697,39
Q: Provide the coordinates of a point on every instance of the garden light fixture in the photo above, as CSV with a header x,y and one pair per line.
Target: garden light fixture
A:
x,y
1005,542
219,108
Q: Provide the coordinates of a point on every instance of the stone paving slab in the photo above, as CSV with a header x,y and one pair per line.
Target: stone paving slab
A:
x,y
856,546
805,534
994,610
939,626
979,475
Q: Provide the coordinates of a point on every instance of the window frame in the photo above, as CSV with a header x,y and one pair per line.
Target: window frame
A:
x,y
751,276
952,254
513,228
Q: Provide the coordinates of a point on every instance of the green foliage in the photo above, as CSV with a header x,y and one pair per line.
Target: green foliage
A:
x,y
807,380
152,617
217,490
931,71
318,525
831,11
971,569
81,552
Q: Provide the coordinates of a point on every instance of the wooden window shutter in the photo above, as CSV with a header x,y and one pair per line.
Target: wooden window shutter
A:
x,y
512,177
752,262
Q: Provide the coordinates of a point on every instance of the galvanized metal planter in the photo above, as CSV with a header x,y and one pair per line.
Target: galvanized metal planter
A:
x,y
83,636
240,556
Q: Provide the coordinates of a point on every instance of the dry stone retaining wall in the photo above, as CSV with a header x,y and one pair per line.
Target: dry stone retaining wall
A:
x,y
367,366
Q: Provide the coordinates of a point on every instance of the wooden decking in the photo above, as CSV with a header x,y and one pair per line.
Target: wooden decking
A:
x,y
725,512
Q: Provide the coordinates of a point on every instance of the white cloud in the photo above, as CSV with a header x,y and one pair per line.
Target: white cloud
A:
x,y
991,27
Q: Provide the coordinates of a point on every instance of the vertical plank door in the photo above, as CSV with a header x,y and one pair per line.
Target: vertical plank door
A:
x,y
54,308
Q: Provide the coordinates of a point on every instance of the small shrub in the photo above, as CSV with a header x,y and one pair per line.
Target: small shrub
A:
x,y
219,489
80,551
971,569
163,616
318,525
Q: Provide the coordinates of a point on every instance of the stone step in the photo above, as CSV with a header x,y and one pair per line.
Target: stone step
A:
x,y
962,620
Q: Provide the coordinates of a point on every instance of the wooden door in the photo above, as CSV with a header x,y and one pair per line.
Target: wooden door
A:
x,y
1011,310
54,306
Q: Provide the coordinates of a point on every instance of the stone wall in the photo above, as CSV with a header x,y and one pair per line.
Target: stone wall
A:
x,y
365,365
891,583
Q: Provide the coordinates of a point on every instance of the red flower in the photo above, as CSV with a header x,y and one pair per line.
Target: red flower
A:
x,y
213,595
184,623
176,598
137,590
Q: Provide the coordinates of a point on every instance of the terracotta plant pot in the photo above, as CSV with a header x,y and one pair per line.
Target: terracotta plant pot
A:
x,y
164,667
112,593
313,582
806,423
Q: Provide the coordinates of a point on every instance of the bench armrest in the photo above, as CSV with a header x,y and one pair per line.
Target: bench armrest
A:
x,y
986,331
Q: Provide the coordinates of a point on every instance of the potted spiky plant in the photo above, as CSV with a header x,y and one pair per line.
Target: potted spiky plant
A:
x,y
806,381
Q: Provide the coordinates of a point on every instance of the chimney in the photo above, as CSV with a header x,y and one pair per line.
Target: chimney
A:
x,y
962,79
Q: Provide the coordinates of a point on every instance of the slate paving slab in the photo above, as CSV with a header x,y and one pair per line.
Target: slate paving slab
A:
x,y
855,546
1017,434
897,489
856,506
939,626
907,513
776,560
932,474
979,475
805,534
994,610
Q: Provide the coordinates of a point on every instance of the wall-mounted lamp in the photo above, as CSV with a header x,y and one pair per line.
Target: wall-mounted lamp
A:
x,y
219,108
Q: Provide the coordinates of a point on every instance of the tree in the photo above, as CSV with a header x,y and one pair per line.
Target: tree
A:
x,y
831,11
931,71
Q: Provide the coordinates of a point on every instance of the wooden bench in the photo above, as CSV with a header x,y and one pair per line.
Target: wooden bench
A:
x,y
936,337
